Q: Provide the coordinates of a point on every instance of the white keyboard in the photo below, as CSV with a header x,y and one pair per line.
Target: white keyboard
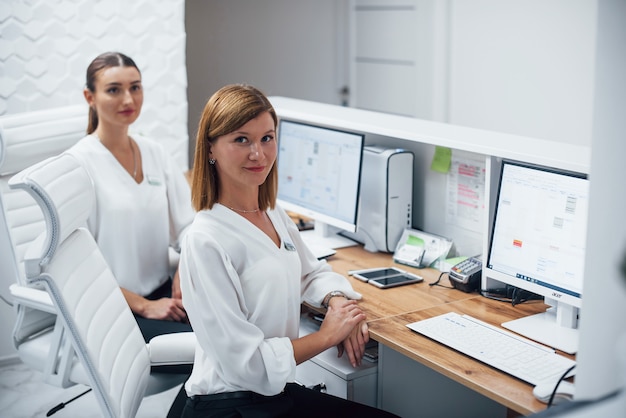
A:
x,y
510,353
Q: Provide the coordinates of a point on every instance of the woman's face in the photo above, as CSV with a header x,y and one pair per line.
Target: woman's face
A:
x,y
118,95
245,157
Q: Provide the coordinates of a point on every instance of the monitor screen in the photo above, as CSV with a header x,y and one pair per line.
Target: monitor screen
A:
x,y
539,233
319,172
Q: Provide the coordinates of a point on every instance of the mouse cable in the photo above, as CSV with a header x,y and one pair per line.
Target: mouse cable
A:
x,y
557,385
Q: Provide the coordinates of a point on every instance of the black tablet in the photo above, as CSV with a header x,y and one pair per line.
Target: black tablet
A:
x,y
385,277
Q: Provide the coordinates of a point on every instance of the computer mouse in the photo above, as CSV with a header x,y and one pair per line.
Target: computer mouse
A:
x,y
543,391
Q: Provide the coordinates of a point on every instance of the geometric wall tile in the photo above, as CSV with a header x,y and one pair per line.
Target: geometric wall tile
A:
x,y
22,12
45,47
13,69
11,29
7,88
6,49
5,11
33,31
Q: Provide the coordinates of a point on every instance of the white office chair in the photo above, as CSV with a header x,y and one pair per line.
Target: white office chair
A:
x,y
97,323
38,336
25,139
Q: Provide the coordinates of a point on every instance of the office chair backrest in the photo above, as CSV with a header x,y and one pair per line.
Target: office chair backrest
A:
x,y
67,260
64,192
25,139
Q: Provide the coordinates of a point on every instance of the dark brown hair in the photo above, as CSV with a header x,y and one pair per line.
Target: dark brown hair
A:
x,y
227,110
102,61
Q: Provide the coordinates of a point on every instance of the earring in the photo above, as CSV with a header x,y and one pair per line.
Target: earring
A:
x,y
212,161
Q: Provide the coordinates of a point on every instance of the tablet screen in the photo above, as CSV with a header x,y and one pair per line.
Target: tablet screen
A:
x,y
375,274
386,281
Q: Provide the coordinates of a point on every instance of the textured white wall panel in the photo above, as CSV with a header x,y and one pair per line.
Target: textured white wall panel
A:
x,y
46,46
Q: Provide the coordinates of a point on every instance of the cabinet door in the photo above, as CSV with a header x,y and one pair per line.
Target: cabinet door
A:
x,y
410,389
362,389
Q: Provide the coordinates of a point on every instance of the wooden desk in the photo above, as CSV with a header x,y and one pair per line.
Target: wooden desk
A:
x,y
382,303
500,387
389,310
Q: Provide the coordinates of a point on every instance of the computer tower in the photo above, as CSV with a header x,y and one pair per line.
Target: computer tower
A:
x,y
386,197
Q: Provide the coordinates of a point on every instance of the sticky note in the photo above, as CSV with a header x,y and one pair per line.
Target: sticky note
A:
x,y
441,160
416,241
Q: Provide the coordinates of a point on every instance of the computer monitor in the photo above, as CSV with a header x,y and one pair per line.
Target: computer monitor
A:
x,y
538,239
319,171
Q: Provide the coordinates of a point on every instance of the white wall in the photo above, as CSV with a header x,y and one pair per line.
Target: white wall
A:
x,y
284,47
524,67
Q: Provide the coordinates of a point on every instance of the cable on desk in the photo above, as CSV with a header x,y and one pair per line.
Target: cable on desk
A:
x,y
521,296
436,283
511,294
551,400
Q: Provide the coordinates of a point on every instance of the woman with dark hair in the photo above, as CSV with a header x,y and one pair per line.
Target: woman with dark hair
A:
x,y
143,201
245,272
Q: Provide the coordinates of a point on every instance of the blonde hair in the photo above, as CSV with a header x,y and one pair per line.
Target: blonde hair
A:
x,y
227,110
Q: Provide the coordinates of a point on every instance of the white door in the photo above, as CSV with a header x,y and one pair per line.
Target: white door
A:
x,y
398,57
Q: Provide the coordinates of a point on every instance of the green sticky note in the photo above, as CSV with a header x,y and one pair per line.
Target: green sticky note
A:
x,y
416,241
442,160
455,260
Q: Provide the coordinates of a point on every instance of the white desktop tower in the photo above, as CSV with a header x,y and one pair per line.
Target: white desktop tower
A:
x,y
386,198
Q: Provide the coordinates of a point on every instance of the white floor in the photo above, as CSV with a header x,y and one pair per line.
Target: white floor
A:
x,y
24,395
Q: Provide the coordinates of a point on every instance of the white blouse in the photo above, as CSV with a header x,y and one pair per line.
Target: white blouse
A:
x,y
242,294
135,224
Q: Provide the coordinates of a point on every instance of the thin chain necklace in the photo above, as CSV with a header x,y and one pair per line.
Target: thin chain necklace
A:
x,y
243,211
132,148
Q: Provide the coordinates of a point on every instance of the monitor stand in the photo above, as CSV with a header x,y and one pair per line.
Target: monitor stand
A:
x,y
556,328
326,235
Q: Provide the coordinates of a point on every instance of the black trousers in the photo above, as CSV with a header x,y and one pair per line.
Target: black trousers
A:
x,y
294,401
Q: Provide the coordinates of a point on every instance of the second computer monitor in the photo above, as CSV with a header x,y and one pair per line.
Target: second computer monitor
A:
x,y
319,170
538,244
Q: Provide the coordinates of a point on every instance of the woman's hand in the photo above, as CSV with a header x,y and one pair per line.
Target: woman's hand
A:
x,y
354,344
345,322
167,309
343,326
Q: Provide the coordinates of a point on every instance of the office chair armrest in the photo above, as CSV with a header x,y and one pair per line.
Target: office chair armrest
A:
x,y
33,298
172,349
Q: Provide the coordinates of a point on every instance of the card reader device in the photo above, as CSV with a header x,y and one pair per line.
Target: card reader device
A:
x,y
466,274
